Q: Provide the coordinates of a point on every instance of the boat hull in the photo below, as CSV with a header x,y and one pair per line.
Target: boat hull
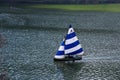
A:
x,y
68,59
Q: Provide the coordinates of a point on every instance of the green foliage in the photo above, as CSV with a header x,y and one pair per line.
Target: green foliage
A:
x,y
99,7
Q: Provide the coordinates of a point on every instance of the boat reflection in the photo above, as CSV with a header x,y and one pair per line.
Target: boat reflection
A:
x,y
69,69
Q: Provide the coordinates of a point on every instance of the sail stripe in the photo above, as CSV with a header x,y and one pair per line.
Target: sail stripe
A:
x,y
60,53
69,36
61,48
70,30
59,56
67,51
79,51
72,45
72,40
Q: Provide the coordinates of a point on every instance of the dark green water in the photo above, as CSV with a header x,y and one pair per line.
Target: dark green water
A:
x,y
32,37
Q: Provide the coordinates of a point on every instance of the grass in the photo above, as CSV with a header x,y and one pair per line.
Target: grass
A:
x,y
98,7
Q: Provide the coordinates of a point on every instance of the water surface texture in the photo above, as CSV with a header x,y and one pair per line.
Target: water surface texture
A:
x,y
30,38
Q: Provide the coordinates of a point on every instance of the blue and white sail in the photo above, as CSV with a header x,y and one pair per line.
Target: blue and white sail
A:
x,y
60,53
70,45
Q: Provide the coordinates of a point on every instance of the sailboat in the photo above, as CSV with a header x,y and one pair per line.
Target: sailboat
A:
x,y
70,48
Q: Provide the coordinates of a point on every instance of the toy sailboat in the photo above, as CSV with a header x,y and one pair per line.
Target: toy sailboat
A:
x,y
70,48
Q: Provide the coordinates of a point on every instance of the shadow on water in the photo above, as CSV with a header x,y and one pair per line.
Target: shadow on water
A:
x,y
69,69
34,28
96,31
60,29
4,76
2,40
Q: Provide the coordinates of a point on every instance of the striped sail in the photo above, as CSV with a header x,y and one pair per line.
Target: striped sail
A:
x,y
60,53
70,45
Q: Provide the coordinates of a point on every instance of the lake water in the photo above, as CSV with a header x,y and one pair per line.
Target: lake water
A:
x,y
32,37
